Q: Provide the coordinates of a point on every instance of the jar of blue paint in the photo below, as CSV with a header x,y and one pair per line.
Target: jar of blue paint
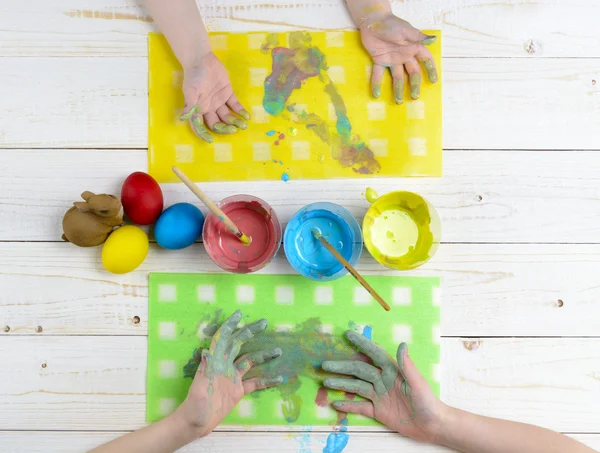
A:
x,y
307,255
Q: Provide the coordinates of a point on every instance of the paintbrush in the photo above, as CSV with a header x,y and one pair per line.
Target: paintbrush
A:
x,y
212,206
317,234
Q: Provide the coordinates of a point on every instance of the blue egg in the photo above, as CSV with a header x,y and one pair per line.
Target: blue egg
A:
x,y
179,226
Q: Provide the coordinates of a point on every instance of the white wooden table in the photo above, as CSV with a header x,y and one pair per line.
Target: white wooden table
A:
x,y
519,200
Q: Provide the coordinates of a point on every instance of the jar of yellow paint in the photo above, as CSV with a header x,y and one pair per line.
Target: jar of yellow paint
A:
x,y
401,229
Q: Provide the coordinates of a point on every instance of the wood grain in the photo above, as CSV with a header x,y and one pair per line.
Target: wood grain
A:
x,y
488,290
218,442
485,196
479,28
98,383
488,103
305,442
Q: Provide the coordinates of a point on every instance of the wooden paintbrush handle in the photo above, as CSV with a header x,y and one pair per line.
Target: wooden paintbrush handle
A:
x,y
353,272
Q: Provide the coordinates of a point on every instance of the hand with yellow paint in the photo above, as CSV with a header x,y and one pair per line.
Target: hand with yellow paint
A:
x,y
210,104
397,395
395,44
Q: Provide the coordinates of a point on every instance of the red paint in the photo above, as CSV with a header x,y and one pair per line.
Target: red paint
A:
x,y
321,399
281,136
276,143
142,198
257,220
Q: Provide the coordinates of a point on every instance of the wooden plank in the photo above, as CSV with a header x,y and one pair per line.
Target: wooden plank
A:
x,y
551,197
219,442
481,28
488,290
74,102
488,103
98,383
307,442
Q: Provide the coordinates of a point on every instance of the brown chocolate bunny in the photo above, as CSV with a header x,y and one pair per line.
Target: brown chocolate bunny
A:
x,y
88,223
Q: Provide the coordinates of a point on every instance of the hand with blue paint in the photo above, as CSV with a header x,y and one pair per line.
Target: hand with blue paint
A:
x,y
397,395
395,44
218,386
210,104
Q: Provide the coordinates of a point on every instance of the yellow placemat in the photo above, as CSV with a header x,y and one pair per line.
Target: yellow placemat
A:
x,y
312,137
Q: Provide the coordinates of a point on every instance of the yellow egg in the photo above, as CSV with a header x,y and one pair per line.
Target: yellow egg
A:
x,y
125,249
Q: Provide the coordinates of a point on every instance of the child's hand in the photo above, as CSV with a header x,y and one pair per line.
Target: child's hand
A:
x,y
394,43
398,394
218,385
209,99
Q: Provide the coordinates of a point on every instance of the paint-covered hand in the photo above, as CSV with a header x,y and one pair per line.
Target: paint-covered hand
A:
x,y
218,385
396,392
394,43
210,103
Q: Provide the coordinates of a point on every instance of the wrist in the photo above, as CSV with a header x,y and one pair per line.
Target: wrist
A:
x,y
193,55
184,426
449,421
373,16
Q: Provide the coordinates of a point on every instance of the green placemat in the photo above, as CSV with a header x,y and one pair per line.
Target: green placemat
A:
x,y
307,319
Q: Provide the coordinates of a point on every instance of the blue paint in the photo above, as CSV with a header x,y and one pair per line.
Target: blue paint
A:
x,y
368,332
179,226
337,441
285,177
304,251
270,133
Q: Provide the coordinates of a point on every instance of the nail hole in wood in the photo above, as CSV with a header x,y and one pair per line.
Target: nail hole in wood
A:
x,y
478,198
593,81
38,329
44,365
7,328
136,319
560,303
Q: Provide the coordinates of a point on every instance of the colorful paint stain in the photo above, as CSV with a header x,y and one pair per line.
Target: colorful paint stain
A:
x,y
337,440
368,332
291,67
285,177
371,195
402,230
270,133
306,254
258,221
304,349
293,131
270,42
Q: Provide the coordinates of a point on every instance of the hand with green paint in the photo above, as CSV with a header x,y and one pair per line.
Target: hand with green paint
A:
x,y
209,99
210,104
396,392
219,385
395,44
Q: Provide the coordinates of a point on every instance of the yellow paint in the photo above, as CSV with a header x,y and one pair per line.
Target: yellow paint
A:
x,y
388,129
125,249
371,195
402,230
245,239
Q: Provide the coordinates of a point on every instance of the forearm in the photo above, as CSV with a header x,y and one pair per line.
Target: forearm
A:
x,y
470,433
165,436
180,21
367,11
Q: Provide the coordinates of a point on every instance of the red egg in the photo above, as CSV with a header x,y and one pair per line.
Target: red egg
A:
x,y
142,198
